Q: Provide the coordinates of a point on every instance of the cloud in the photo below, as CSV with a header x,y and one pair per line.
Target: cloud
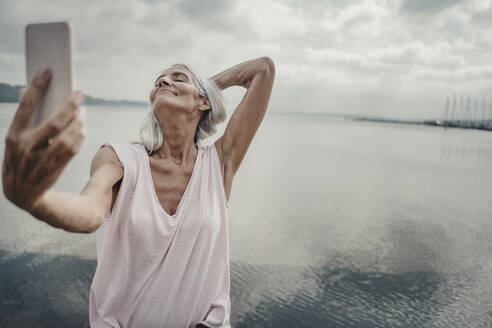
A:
x,y
428,7
378,56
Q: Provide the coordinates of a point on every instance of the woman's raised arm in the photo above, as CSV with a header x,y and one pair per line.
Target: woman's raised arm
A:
x,y
35,157
257,77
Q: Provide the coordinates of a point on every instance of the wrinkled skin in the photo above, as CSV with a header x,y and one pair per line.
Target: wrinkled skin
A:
x,y
35,156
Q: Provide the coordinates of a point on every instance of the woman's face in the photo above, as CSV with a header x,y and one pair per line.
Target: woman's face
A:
x,y
174,89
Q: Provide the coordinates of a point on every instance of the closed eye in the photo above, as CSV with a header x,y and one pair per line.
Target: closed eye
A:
x,y
157,84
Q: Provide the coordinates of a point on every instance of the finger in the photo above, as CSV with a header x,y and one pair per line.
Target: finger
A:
x,y
53,126
29,99
7,171
76,136
22,92
37,141
76,131
64,147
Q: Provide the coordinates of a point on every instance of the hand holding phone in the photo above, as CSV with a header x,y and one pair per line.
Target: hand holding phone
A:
x,y
36,155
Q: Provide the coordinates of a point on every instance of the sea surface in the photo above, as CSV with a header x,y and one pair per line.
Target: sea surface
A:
x,y
333,223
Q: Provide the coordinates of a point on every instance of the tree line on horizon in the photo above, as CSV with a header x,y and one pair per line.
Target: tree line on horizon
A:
x,y
10,94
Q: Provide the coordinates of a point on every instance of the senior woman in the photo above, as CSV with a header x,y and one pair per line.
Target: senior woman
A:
x,y
158,207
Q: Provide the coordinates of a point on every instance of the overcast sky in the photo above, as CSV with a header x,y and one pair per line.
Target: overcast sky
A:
x,y
391,58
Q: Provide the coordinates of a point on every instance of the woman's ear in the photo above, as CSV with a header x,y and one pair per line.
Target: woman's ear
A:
x,y
204,104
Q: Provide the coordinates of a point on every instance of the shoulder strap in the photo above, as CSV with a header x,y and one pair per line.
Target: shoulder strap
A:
x,y
128,157
215,161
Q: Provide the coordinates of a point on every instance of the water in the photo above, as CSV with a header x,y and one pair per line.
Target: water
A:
x,y
332,224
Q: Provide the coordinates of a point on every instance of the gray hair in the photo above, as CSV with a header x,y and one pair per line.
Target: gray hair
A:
x,y
151,135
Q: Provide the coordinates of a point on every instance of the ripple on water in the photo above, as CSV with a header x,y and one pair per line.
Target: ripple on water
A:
x,y
289,296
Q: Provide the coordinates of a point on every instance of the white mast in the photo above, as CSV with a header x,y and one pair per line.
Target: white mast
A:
x,y
446,111
453,110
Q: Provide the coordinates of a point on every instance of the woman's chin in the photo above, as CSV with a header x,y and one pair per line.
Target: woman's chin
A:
x,y
162,100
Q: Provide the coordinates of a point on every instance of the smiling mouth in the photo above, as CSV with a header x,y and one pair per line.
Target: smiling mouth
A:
x,y
166,90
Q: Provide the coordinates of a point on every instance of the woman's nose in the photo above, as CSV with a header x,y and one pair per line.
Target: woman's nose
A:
x,y
163,81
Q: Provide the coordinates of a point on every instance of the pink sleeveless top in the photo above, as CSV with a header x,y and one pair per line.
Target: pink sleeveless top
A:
x,y
161,270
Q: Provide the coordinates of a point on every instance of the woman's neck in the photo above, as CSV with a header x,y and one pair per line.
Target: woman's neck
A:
x,y
178,144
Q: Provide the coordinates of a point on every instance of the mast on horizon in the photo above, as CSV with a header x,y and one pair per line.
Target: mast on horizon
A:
x,y
466,115
453,110
446,111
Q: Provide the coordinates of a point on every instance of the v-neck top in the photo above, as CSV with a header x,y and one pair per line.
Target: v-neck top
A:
x,y
158,270
185,193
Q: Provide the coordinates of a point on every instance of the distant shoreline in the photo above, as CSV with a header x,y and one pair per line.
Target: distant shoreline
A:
x,y
485,125
10,94
476,125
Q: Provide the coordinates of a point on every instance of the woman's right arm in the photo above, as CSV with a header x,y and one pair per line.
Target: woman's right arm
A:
x,y
35,157
84,212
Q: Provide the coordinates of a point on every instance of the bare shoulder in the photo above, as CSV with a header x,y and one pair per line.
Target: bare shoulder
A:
x,y
106,174
106,156
105,178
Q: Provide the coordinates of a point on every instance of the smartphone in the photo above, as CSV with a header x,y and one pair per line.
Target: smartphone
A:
x,y
50,45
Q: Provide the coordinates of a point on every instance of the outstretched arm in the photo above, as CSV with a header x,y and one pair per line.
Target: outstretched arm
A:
x,y
257,77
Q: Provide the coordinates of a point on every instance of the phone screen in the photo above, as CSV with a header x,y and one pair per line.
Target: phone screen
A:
x,y
50,45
